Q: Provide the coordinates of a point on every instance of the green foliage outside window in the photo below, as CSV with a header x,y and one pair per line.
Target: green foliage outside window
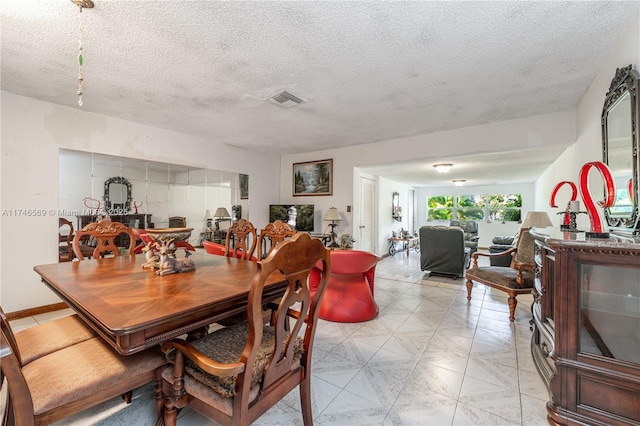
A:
x,y
505,207
470,207
496,207
440,208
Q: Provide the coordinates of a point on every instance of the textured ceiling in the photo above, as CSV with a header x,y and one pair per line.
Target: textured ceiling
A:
x,y
368,71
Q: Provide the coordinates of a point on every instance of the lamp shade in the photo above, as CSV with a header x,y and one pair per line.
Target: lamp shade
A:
x,y
536,220
222,212
208,215
332,214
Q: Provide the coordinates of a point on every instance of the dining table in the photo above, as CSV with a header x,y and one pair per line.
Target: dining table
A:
x,y
134,308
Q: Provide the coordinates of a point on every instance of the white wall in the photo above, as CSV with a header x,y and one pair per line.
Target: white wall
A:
x,y
33,131
386,223
541,130
588,145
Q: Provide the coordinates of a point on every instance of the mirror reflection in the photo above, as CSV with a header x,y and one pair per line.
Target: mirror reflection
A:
x,y
148,193
117,195
619,118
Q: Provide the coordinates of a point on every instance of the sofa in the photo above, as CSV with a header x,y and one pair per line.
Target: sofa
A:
x,y
443,251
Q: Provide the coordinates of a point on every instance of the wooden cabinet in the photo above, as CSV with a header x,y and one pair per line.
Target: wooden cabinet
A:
x,y
140,221
586,327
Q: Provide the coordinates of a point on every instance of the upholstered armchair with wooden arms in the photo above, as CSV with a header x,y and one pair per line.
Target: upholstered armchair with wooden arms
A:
x,y
71,379
105,233
236,374
515,279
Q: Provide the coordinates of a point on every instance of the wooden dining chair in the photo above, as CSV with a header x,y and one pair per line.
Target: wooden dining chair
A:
x,y
241,240
65,236
105,233
177,222
236,374
71,379
271,235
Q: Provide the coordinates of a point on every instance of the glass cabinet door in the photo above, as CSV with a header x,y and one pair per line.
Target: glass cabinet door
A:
x,y
610,311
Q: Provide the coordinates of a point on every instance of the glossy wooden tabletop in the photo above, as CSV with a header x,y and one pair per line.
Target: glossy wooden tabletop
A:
x,y
134,308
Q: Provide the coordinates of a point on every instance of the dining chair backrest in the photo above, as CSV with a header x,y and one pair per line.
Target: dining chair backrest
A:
x,y
271,235
241,240
525,250
105,233
8,334
251,366
65,237
177,222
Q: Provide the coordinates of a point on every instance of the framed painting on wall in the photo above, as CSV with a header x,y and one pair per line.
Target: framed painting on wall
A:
x,y
244,186
313,178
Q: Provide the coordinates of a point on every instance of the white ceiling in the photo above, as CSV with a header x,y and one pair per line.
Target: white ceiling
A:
x,y
369,71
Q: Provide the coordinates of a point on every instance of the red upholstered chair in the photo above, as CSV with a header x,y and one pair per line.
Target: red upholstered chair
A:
x,y
214,248
145,238
349,294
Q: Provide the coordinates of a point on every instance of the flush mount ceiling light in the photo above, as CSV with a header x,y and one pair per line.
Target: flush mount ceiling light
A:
x,y
443,167
458,182
82,4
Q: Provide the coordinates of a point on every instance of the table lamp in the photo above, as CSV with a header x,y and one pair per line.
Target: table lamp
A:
x,y
208,216
221,214
536,220
333,216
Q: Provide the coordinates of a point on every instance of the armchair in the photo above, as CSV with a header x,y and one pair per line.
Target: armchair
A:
x,y
514,279
470,228
443,251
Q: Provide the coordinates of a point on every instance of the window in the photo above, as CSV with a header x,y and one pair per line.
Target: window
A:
x,y
505,208
440,208
494,207
470,207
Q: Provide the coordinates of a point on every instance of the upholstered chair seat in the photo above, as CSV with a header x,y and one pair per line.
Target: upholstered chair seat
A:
x,y
504,277
77,372
38,341
226,346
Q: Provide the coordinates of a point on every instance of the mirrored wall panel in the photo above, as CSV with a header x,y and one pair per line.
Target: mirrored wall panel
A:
x,y
144,194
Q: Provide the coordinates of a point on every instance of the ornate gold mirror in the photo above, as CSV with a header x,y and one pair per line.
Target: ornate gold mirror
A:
x,y
620,147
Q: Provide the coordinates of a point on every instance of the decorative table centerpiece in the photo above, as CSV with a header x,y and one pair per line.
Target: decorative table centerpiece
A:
x,y
165,241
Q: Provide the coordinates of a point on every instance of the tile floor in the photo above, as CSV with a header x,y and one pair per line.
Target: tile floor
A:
x,y
429,358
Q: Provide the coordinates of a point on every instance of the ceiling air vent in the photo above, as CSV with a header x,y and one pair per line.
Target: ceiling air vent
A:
x,y
285,99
